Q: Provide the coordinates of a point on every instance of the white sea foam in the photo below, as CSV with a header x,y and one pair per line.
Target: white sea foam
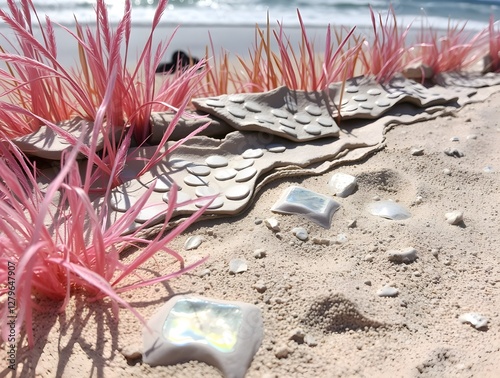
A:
x,y
243,12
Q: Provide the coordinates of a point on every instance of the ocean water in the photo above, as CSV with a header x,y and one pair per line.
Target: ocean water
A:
x,y
249,12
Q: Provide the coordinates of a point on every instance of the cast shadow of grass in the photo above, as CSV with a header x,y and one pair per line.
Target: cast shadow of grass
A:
x,y
90,329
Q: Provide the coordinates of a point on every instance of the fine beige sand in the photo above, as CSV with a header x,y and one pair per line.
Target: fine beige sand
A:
x,y
325,288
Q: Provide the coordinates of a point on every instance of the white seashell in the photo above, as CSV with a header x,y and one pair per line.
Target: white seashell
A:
x,y
193,242
389,209
476,320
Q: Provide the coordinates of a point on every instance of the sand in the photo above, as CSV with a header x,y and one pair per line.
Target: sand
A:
x,y
324,289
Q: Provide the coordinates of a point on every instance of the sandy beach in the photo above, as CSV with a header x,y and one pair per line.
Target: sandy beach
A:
x,y
326,287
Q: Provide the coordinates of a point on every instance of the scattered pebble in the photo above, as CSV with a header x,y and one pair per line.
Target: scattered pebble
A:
x,y
472,137
132,352
376,198
454,217
447,172
282,352
417,151
488,169
310,340
341,239
435,252
454,152
193,242
273,224
478,321
204,272
418,200
352,223
455,139
342,184
368,258
260,286
300,233
297,335
321,241
388,291
368,283
259,253
238,266
406,255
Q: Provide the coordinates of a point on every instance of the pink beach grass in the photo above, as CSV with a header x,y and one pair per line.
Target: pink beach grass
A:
x,y
60,244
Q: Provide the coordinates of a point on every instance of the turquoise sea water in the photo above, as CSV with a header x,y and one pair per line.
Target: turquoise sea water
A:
x,y
245,12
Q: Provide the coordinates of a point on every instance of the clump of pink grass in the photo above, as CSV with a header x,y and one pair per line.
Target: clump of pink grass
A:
x,y
61,245
36,81
493,53
455,50
58,241
385,55
304,69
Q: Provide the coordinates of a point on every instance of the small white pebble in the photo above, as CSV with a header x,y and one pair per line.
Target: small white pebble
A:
x,y
238,266
273,224
476,320
259,253
454,217
300,233
388,291
417,151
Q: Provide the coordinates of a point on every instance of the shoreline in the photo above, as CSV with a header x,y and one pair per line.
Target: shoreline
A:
x,y
195,39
